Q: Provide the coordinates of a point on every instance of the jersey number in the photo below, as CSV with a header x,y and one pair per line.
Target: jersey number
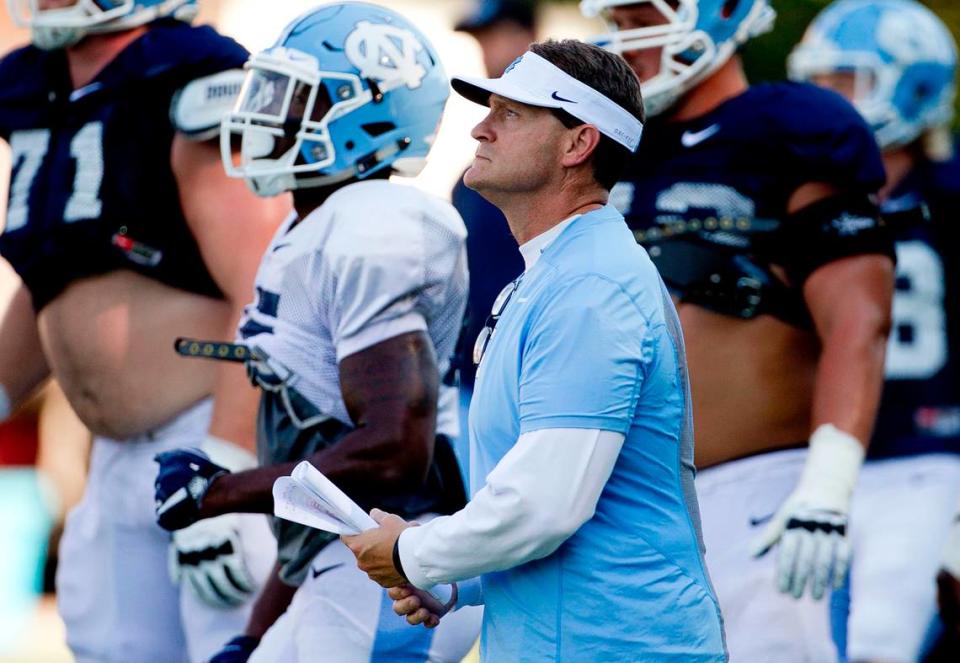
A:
x,y
917,348
724,201
30,147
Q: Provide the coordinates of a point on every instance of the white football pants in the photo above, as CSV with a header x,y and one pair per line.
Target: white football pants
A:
x,y
114,590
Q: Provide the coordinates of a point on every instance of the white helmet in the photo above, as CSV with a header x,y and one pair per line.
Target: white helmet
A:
x,y
64,26
698,37
902,57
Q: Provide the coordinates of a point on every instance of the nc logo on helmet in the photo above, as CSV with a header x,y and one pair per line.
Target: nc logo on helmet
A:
x,y
386,54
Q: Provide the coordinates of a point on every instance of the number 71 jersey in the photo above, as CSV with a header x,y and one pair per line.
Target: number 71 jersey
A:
x,y
92,189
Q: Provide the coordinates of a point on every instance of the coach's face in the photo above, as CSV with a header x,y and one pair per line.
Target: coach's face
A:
x,y
519,151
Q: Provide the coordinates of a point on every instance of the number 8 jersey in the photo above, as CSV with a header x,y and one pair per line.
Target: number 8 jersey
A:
x,y
920,409
92,189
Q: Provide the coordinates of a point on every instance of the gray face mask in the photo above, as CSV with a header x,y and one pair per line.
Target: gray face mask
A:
x,y
50,38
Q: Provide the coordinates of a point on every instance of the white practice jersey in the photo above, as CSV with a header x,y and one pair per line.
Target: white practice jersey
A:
x,y
376,260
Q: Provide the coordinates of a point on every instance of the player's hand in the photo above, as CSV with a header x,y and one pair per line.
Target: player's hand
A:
x,y
208,556
182,481
237,650
408,603
811,525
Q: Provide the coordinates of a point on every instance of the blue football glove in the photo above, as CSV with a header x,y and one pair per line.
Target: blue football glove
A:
x,y
237,650
183,480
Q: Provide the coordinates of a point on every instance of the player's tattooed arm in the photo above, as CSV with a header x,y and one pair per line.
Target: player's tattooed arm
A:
x,y
390,390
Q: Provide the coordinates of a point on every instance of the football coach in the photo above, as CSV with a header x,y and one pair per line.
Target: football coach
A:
x,y
582,537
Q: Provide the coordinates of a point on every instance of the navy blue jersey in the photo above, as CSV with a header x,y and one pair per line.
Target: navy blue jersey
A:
x,y
92,190
494,260
709,196
920,409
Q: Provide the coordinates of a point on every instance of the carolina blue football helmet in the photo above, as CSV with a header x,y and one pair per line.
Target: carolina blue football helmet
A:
x,y
64,26
350,89
697,37
902,57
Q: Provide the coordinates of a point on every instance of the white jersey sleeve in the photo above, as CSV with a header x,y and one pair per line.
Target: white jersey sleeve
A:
x,y
387,265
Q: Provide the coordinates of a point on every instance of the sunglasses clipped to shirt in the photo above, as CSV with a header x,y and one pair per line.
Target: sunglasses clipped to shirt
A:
x,y
499,304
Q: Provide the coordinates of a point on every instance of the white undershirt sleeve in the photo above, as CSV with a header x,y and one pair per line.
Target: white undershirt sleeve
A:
x,y
537,496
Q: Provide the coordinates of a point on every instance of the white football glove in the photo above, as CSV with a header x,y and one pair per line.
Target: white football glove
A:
x,y
811,525
209,554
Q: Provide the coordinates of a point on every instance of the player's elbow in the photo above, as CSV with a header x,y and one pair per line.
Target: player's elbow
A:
x,y
406,459
865,324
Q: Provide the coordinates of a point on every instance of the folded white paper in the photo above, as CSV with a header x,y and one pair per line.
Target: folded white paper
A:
x,y
309,498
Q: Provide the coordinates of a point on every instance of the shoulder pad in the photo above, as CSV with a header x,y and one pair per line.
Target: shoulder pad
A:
x,y
22,73
198,107
828,140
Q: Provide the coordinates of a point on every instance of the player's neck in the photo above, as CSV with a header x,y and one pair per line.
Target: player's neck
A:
x,y
307,199
898,163
725,83
94,52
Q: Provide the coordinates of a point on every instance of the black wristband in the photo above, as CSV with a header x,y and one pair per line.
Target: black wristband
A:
x,y
396,559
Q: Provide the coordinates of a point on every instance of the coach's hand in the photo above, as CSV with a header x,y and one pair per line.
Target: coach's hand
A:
x,y
183,480
374,548
407,603
811,526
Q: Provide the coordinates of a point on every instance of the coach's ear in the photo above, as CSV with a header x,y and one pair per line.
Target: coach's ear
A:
x,y
580,142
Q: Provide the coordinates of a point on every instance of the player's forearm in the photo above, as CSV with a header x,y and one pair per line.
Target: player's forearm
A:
x,y
849,376
539,494
243,492
368,457
850,303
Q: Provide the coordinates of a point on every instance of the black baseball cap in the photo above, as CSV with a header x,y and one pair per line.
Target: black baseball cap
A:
x,y
487,12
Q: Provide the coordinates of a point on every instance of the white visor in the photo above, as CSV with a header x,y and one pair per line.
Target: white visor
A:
x,y
534,81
